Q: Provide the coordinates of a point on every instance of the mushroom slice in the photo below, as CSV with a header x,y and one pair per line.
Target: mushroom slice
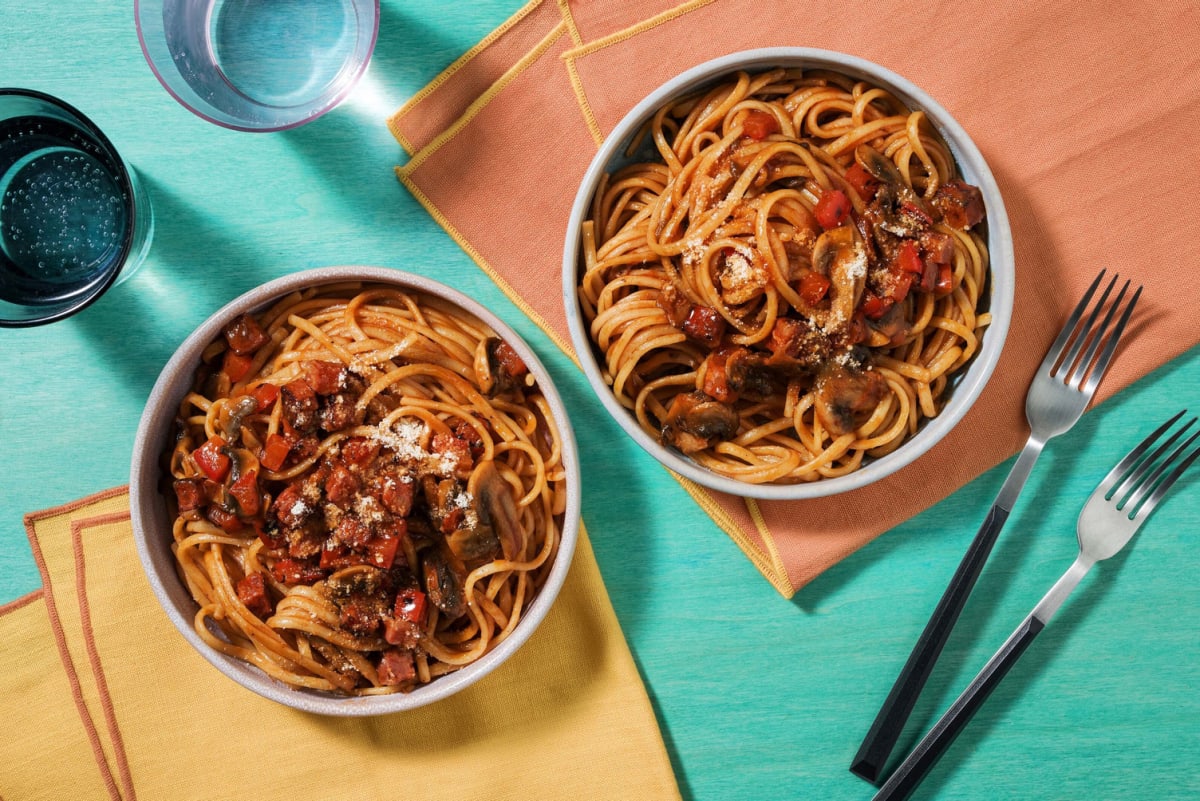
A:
x,y
841,255
444,583
495,508
846,397
695,420
880,167
498,367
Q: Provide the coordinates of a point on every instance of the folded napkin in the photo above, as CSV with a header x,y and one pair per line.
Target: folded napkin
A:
x,y
106,699
1087,118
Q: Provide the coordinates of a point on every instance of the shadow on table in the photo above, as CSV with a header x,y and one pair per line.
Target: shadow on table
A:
x,y
191,269
1008,560
350,147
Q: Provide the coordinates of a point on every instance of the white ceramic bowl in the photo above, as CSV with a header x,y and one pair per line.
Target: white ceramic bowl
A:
x,y
152,525
966,385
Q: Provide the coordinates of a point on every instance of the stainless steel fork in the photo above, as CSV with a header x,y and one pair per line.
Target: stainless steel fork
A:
x,y
1064,384
1116,509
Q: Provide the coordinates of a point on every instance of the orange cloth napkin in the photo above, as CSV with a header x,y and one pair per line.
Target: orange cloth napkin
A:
x,y
1086,116
104,699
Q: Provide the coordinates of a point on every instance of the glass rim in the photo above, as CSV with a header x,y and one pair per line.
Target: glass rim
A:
x,y
125,180
333,102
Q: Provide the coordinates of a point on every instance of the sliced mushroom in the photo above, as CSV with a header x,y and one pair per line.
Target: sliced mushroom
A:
x,y
498,367
496,509
896,208
750,375
841,255
232,414
846,397
891,329
880,167
960,204
444,583
695,420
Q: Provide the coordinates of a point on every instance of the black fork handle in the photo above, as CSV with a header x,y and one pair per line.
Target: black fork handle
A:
x,y
926,754
889,722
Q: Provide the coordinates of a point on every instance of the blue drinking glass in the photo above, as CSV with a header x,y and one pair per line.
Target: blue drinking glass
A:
x,y
258,65
74,219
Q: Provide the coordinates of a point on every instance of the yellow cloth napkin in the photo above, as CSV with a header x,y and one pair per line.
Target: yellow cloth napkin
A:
x,y
1088,122
91,666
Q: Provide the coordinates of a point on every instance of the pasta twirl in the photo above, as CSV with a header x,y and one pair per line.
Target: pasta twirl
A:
x,y
786,287
367,490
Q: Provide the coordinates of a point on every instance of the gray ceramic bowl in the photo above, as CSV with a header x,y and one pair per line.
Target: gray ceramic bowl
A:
x,y
152,526
966,386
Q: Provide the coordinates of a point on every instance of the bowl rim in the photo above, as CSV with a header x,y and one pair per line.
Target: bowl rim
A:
x,y
1000,249
146,501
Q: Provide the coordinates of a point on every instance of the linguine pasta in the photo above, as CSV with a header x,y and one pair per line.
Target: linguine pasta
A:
x,y
788,285
367,490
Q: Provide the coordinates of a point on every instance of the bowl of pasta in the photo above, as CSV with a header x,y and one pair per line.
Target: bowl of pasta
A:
x,y
355,491
788,273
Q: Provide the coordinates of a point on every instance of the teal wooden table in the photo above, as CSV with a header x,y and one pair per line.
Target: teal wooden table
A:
x,y
758,697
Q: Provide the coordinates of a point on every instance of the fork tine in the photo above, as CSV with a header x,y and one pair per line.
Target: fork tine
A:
x,y
1081,335
1137,477
1123,467
1060,342
1161,485
1110,346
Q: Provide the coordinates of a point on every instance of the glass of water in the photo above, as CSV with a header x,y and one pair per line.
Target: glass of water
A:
x,y
258,65
74,219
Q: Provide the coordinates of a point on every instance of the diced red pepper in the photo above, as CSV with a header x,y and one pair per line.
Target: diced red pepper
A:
x,y
266,395
293,571
381,550
813,288
411,605
929,277
833,207
275,452
245,335
909,259
236,365
945,280
272,538
245,492
874,307
758,124
915,212
335,557
901,284
863,182
211,460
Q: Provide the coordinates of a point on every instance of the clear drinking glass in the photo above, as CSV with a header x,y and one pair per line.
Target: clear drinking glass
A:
x,y
74,219
258,65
